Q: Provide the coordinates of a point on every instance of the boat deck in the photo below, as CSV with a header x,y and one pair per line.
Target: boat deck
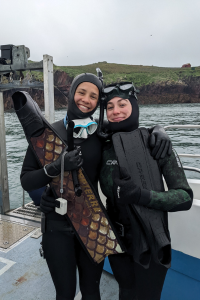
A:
x,y
24,273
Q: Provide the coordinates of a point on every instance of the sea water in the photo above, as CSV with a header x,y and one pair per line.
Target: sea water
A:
x,y
184,140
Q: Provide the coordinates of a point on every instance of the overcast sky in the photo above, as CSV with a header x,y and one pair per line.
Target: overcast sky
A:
x,y
162,33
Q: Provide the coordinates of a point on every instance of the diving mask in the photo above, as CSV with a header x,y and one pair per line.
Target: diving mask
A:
x,y
123,86
83,128
122,90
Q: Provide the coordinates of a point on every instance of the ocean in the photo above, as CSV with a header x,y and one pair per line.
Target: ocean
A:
x,y
184,140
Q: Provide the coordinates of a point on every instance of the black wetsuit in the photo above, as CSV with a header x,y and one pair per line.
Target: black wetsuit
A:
x,y
133,280
62,250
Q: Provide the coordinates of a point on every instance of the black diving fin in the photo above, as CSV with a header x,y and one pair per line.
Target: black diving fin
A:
x,y
29,114
139,248
133,153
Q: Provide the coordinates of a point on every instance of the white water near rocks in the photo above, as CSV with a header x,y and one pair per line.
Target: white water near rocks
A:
x,y
184,141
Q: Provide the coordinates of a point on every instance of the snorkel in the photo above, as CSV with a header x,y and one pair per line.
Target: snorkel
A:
x,y
100,131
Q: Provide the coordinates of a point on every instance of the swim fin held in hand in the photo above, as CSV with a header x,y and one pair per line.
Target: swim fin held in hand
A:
x,y
144,171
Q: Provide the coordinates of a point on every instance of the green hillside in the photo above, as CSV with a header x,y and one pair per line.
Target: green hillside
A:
x,y
140,75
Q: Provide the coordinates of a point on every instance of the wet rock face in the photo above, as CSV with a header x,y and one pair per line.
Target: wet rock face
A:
x,y
62,82
183,91
62,79
38,95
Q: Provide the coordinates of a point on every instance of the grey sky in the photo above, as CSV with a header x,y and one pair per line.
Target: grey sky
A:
x,y
162,33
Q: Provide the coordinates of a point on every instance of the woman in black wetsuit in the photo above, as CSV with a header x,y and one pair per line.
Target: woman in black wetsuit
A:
x,y
61,247
135,282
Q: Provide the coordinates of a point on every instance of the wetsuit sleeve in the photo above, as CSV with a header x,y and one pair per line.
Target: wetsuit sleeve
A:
x,y
179,195
32,176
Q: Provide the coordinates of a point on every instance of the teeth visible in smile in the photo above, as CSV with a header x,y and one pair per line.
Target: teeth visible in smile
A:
x,y
83,107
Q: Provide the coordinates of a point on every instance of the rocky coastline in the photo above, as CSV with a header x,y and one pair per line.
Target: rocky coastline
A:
x,y
186,90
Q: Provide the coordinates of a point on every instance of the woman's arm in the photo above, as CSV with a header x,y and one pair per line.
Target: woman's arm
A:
x,y
32,176
179,195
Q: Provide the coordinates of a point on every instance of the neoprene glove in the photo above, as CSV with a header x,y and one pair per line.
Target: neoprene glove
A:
x,y
72,161
126,191
160,142
48,202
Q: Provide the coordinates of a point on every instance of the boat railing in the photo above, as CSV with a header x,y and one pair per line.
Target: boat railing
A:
x,y
182,126
189,155
191,169
47,67
184,154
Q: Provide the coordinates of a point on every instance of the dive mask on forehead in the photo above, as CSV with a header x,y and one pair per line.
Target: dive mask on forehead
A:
x,y
123,86
122,90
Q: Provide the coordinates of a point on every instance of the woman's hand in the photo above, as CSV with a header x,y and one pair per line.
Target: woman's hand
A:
x,y
48,201
72,161
160,142
126,191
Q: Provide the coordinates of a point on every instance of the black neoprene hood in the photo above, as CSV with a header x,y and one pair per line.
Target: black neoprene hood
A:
x,y
73,111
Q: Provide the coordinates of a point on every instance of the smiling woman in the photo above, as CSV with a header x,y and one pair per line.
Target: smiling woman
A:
x,y
63,250
86,96
124,184
118,109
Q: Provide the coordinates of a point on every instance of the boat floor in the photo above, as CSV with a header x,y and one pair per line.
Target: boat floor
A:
x,y
24,273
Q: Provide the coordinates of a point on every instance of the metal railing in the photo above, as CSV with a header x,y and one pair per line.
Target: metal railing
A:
x,y
191,169
49,115
4,190
189,155
184,154
182,126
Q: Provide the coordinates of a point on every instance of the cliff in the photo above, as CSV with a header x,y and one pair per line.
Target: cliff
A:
x,y
183,91
62,82
156,85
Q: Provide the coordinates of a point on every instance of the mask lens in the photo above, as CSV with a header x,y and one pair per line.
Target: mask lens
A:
x,y
91,128
126,86
108,89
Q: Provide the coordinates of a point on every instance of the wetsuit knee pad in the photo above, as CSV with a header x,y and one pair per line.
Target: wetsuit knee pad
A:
x,y
127,294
